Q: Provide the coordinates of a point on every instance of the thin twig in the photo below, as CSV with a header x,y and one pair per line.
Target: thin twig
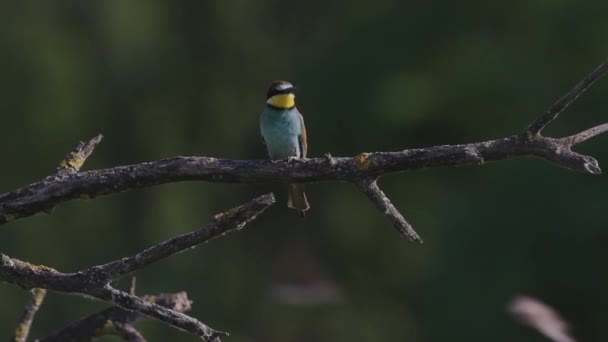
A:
x,y
152,310
586,134
27,318
375,194
551,114
133,285
74,160
222,224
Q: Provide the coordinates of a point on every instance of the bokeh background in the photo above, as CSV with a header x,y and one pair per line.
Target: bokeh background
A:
x,y
166,78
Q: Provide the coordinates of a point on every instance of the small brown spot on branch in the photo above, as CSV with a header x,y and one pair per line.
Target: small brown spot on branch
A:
x,y
363,161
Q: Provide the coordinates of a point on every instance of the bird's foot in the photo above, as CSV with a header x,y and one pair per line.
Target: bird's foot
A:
x,y
293,160
330,160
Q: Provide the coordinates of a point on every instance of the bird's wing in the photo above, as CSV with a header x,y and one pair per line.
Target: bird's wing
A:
x,y
303,140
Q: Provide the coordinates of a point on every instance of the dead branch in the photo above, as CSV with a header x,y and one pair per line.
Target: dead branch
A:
x,y
51,191
95,281
363,170
27,318
117,321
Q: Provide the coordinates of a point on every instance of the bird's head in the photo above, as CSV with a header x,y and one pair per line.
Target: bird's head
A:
x,y
281,95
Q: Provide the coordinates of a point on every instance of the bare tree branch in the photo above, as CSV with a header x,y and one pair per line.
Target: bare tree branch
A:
x,y
223,224
116,321
74,160
171,317
133,285
363,170
94,282
27,318
44,195
373,192
586,134
551,114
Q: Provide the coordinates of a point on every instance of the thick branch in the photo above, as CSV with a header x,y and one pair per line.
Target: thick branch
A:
x,y
27,318
93,282
49,192
371,189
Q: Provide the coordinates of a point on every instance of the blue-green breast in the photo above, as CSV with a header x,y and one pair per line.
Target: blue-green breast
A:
x,y
281,129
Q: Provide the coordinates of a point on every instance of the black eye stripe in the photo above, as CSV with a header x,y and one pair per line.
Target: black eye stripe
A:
x,y
287,90
273,91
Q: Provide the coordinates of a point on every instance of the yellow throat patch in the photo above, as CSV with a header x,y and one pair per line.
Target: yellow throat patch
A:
x,y
284,101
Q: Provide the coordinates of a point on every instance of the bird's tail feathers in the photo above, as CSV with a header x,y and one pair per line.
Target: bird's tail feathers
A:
x,y
297,198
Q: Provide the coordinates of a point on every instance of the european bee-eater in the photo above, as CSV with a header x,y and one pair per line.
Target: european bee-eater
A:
x,y
284,134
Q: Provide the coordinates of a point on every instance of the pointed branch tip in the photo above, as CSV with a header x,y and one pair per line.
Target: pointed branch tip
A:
x,y
370,188
551,114
585,135
22,330
74,160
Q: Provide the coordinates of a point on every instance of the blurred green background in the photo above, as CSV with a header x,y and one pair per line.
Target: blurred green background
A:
x,y
166,78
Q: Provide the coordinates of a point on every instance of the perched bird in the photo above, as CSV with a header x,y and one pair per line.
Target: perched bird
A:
x,y
284,134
